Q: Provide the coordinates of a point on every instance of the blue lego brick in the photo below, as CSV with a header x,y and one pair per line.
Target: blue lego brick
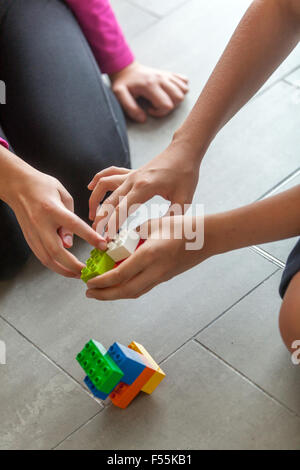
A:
x,y
129,361
95,392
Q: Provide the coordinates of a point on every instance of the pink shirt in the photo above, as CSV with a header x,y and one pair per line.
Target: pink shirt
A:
x,y
4,143
103,32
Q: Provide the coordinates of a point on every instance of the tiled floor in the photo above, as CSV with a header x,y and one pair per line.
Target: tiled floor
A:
x,y
230,383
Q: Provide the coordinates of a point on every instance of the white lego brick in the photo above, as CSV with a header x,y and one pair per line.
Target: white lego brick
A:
x,y
123,246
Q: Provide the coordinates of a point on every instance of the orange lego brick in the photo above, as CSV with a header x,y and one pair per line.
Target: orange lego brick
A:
x,y
124,394
156,378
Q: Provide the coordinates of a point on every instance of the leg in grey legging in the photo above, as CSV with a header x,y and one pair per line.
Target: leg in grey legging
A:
x,y
59,115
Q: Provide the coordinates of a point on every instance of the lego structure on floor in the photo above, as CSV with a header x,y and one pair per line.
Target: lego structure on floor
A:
x,y
100,262
120,373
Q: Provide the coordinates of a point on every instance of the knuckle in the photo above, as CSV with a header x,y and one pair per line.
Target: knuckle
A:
x,y
142,183
149,254
151,80
45,260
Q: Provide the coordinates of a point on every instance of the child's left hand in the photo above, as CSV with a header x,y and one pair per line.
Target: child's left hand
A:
x,y
164,90
159,259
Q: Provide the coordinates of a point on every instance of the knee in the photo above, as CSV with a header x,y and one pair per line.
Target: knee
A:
x,y
289,317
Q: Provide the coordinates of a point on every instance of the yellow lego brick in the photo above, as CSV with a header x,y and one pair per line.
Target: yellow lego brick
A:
x,y
158,376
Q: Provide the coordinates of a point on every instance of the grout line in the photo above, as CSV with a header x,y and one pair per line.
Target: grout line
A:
x,y
216,319
145,10
238,372
157,15
280,79
77,429
281,184
55,364
268,256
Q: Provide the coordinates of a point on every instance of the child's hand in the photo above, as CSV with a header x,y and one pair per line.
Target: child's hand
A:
x,y
159,259
172,175
45,212
164,90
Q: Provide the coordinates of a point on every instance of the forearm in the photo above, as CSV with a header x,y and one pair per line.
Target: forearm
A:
x,y
271,219
12,170
265,36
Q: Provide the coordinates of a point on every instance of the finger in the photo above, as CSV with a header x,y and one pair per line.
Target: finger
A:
x,y
42,254
67,199
111,171
157,113
174,92
108,207
65,234
159,99
182,77
144,281
57,252
122,273
130,105
105,184
180,83
77,226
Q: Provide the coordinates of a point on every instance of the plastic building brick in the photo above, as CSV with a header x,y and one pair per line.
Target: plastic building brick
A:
x,y
100,368
95,392
123,245
141,242
124,394
157,377
99,263
129,361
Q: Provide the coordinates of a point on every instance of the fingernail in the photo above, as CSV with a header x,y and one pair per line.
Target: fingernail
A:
x,y
68,240
88,294
102,245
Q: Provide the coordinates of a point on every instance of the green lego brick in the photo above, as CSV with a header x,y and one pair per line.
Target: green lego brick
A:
x,y
99,263
104,373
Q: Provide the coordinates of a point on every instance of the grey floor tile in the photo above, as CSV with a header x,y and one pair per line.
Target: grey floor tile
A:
x,y
282,249
191,39
289,65
251,155
39,404
248,338
294,79
55,314
158,7
202,404
133,20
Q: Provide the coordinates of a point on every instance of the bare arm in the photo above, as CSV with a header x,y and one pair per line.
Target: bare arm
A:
x,y
266,35
163,256
271,219
268,32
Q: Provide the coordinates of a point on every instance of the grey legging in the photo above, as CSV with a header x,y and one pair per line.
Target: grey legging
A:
x,y
59,116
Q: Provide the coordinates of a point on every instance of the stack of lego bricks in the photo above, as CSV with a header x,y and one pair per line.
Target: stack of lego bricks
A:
x,y
120,373
100,262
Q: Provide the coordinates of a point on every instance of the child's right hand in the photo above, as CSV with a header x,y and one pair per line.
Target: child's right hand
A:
x,y
45,212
